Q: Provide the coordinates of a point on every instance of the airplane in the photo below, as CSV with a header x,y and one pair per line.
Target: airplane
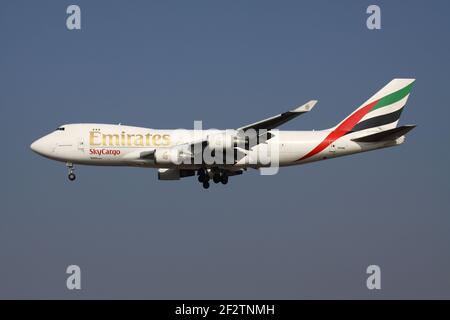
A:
x,y
220,154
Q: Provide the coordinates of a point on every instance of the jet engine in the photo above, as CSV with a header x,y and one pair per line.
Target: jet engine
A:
x,y
171,156
174,174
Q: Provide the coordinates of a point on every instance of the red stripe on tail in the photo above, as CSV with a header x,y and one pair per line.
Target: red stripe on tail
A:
x,y
346,126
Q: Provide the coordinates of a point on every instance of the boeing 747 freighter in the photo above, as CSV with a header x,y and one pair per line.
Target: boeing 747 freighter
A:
x,y
220,154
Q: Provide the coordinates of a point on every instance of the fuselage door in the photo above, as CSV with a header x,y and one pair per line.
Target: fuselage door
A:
x,y
333,148
81,145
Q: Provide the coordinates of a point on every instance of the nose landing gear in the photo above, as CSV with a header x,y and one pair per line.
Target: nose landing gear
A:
x,y
71,175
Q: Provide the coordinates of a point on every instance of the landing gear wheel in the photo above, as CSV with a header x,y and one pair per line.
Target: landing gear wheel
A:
x,y
71,175
216,178
224,179
201,178
206,185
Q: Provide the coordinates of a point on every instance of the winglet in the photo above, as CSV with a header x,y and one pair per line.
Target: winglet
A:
x,y
306,107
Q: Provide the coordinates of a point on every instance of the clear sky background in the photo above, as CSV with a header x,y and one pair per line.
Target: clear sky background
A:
x,y
308,232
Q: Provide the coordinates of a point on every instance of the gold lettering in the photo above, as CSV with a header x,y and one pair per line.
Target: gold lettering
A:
x,y
129,136
155,139
166,139
122,138
147,139
139,140
110,138
92,136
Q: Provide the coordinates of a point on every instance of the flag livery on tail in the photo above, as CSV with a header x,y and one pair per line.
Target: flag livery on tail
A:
x,y
381,111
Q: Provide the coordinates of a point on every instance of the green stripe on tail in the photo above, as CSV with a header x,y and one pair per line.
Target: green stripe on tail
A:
x,y
393,97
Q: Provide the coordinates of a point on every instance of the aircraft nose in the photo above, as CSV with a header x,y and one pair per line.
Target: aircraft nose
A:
x,y
38,146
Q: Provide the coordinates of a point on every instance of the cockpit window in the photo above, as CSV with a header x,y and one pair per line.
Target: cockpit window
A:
x,y
60,129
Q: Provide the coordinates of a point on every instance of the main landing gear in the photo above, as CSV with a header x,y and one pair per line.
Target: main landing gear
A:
x,y
204,176
71,175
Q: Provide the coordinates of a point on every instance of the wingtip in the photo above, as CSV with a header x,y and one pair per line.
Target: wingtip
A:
x,y
312,103
306,107
411,126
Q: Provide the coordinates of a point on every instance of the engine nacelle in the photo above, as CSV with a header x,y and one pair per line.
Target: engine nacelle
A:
x,y
171,156
169,174
174,174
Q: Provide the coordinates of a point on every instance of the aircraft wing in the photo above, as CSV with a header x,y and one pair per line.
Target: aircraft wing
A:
x,y
278,120
191,148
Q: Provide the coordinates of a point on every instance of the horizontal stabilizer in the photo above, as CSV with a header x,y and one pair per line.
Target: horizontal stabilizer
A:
x,y
386,135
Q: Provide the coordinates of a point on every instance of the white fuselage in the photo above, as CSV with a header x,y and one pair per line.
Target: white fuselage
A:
x,y
119,145
220,154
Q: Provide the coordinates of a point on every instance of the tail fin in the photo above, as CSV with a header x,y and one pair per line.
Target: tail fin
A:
x,y
381,111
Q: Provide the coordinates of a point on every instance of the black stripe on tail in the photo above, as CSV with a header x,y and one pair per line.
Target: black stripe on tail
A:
x,y
378,121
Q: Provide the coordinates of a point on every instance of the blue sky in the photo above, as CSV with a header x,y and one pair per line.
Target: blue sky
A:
x,y
308,232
